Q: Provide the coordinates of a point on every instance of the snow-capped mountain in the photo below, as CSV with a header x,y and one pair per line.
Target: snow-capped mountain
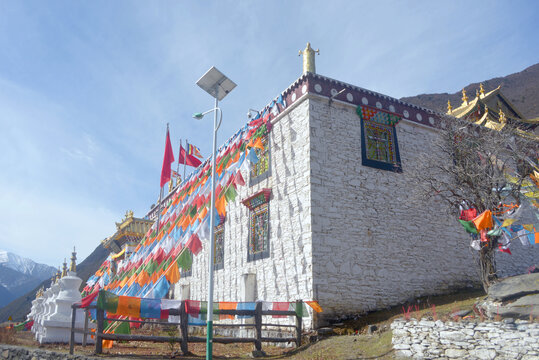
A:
x,y
19,275
26,266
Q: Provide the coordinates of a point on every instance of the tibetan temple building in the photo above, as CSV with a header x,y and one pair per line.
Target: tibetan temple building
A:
x,y
314,204
492,110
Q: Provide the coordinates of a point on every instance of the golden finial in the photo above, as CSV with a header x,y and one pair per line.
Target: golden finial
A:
x,y
73,266
129,214
58,274
477,93
449,107
464,97
308,59
481,89
64,268
171,184
502,117
486,109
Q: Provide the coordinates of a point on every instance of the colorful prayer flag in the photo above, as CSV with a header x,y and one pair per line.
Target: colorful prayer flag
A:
x,y
484,220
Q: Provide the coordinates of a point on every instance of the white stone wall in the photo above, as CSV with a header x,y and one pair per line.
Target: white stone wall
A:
x,y
466,340
374,245
287,274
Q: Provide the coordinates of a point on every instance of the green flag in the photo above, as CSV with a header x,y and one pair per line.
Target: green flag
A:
x,y
107,301
468,226
185,260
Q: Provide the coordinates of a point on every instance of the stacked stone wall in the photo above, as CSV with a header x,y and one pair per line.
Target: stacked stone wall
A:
x,y
9,352
466,340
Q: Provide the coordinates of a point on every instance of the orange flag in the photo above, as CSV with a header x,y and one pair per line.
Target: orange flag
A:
x,y
314,304
128,306
227,305
173,273
483,220
143,278
258,144
220,205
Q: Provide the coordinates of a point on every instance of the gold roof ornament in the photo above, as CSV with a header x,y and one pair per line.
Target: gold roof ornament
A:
x,y
481,89
308,59
486,109
477,93
171,184
64,268
73,266
449,107
464,97
502,117
58,274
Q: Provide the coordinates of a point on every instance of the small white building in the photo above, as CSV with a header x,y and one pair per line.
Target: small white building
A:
x,y
327,213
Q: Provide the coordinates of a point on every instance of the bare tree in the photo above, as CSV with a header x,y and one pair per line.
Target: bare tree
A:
x,y
470,168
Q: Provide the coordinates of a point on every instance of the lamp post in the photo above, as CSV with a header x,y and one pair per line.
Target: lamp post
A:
x,y
218,86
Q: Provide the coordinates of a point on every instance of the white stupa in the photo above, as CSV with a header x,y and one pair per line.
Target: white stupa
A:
x,y
56,325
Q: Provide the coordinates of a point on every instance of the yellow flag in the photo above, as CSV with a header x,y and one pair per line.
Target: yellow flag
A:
x,y
508,222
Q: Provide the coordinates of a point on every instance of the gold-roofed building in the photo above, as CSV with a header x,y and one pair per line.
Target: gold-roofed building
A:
x,y
128,234
492,110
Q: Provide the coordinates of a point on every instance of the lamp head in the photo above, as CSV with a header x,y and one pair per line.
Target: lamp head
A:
x,y
198,116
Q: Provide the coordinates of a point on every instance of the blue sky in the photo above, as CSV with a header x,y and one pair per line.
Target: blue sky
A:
x,y
87,88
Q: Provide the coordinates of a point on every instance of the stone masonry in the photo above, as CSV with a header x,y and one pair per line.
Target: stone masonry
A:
x,y
515,340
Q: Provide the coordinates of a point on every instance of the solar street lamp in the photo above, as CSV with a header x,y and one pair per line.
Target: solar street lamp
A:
x,y
218,86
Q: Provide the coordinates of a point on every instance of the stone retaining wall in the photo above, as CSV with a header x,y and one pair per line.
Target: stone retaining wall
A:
x,y
8,352
466,340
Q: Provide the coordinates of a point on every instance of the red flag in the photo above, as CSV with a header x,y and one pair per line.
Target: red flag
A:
x,y
189,159
194,244
167,160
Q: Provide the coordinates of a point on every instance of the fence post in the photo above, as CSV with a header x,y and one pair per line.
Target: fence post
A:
x,y
184,327
98,340
72,334
85,335
299,321
258,326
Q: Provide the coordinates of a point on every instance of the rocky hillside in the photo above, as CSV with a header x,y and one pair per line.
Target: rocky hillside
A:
x,y
521,88
20,307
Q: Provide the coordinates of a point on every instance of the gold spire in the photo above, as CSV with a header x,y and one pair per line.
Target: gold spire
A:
x,y
58,274
477,93
481,89
64,268
464,97
449,107
486,109
73,266
308,59
171,184
502,118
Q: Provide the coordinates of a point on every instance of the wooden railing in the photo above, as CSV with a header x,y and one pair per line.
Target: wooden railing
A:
x,y
185,338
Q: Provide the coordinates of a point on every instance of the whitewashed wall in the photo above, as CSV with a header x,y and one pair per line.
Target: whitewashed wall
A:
x,y
287,274
373,244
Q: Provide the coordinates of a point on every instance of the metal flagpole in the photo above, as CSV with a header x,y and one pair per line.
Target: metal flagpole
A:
x,y
178,167
185,157
160,197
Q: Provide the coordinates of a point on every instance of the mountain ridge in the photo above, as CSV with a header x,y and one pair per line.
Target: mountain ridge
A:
x,y
521,88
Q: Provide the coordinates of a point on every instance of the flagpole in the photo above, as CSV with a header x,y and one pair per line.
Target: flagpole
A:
x,y
178,167
185,157
159,203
